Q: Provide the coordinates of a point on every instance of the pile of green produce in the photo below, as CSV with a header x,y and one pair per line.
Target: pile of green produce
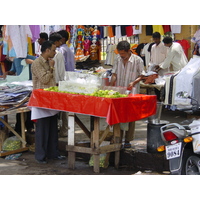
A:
x,y
98,93
11,143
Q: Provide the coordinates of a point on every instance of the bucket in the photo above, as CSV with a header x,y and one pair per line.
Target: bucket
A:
x,y
154,139
155,119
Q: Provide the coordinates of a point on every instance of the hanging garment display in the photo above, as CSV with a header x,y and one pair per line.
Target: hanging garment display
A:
x,y
175,28
16,37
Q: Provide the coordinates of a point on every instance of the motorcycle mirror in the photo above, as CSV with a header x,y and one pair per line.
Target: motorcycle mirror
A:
x,y
182,94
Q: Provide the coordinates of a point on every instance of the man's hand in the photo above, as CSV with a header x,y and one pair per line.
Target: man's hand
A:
x,y
51,62
131,85
157,68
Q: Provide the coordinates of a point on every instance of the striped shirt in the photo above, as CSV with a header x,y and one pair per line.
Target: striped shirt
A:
x,y
128,73
41,75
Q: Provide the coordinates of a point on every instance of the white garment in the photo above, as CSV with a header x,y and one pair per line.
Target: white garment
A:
x,y
176,57
184,80
146,53
118,32
59,66
18,35
175,28
138,30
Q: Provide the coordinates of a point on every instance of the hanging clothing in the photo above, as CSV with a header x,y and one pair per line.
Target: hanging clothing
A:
x,y
146,54
175,28
158,28
35,30
185,45
118,32
110,54
137,29
149,29
166,28
110,31
17,38
129,31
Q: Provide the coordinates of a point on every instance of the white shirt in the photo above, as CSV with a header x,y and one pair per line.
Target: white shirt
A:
x,y
176,57
59,66
158,54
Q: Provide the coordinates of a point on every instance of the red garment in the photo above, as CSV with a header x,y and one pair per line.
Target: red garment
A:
x,y
166,28
185,44
129,31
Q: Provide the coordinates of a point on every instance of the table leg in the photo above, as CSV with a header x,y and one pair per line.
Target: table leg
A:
x,y
116,130
71,140
23,128
95,144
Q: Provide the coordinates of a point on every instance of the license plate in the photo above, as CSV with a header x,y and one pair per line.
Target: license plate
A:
x,y
173,151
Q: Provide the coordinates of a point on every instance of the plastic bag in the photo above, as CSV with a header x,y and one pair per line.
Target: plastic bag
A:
x,y
103,161
11,143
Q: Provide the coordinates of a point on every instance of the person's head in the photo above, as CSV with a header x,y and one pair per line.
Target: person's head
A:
x,y
65,36
43,38
48,49
123,49
156,37
167,41
56,39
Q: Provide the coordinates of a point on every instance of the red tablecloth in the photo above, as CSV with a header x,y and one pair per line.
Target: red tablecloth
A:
x,y
116,110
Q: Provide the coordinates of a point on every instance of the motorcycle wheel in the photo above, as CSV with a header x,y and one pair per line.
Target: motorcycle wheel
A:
x,y
192,166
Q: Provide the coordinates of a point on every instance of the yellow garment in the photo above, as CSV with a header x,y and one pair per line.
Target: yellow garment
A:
x,y
158,28
30,49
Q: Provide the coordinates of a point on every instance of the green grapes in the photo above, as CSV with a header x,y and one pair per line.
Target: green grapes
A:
x,y
97,93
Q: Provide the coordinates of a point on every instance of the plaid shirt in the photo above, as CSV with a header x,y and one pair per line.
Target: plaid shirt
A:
x,y
128,73
41,75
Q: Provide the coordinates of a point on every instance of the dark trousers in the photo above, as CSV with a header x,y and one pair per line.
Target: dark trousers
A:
x,y
46,138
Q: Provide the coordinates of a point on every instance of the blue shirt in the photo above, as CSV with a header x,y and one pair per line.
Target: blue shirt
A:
x,y
69,57
17,66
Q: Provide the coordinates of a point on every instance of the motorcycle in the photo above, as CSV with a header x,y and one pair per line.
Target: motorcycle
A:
x,y
182,143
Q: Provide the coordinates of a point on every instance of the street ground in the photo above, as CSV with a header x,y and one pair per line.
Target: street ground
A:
x,y
137,155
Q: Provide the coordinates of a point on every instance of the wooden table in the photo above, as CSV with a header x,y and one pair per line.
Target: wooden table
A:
x,y
116,111
21,110
95,141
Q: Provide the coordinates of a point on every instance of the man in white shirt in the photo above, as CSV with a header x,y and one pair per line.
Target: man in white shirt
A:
x,y
175,56
58,58
158,53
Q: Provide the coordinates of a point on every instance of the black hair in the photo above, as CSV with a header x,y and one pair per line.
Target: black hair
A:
x,y
44,35
167,40
123,45
46,45
156,35
54,37
64,34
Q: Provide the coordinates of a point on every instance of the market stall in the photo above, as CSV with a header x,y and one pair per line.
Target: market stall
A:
x,y
13,100
115,110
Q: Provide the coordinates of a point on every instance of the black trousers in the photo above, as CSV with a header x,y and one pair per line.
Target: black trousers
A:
x,y
46,138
